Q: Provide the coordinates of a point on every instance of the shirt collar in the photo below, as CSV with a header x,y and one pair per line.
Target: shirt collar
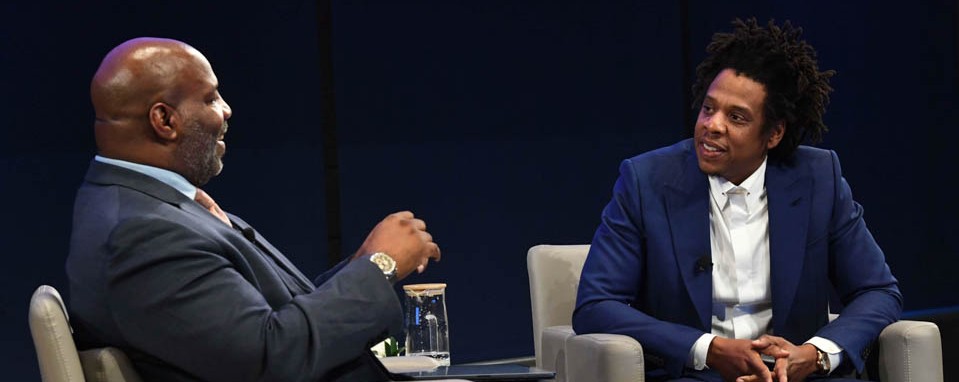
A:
x,y
168,177
754,185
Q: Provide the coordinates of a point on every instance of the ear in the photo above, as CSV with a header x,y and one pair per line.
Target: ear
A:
x,y
164,121
776,135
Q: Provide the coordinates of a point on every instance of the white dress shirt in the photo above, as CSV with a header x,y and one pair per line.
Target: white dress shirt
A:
x,y
739,241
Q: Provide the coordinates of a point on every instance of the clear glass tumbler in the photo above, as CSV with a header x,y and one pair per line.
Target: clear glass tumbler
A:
x,y
427,331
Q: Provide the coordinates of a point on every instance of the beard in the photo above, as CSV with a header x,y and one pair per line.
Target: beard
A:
x,y
198,154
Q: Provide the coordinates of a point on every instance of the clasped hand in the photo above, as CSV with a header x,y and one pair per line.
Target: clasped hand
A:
x,y
740,360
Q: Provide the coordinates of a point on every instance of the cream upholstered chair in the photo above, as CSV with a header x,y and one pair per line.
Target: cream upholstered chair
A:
x,y
909,351
554,272
57,353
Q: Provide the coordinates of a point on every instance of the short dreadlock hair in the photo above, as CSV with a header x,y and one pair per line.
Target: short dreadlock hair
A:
x,y
796,91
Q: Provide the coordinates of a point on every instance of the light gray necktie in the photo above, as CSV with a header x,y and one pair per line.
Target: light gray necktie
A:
x,y
738,212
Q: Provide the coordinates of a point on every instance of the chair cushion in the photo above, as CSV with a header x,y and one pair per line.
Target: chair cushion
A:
x,y
553,352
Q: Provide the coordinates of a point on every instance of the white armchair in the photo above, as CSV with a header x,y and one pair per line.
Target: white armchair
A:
x,y
909,351
57,353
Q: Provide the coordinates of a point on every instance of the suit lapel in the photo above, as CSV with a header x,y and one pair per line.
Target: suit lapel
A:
x,y
687,209
687,202
264,246
104,173
787,194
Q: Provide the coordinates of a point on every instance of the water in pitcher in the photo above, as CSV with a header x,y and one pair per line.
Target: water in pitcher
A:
x,y
427,331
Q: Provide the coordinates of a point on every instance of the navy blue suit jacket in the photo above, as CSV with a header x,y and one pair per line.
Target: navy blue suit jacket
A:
x,y
642,279
192,299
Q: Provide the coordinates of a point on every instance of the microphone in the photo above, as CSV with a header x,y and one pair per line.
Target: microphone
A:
x,y
703,263
249,233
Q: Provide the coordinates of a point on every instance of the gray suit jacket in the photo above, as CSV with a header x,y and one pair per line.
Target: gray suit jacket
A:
x,y
189,298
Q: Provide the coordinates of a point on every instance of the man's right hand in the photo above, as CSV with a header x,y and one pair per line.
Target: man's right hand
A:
x,y
404,238
734,358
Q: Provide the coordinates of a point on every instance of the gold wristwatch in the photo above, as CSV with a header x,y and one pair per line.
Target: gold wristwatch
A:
x,y
386,264
822,362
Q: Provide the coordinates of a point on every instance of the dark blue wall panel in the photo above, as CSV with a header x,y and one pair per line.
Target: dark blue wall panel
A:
x,y
502,124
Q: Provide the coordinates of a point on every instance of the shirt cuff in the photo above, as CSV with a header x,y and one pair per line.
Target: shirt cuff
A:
x,y
697,355
833,350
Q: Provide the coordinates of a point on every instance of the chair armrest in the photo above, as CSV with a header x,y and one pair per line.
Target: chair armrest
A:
x,y
604,357
553,350
910,351
108,364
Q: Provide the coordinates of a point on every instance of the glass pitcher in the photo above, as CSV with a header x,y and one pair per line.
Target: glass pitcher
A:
x,y
427,332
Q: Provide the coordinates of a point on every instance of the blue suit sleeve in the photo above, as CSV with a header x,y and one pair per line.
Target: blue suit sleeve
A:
x,y
860,275
614,274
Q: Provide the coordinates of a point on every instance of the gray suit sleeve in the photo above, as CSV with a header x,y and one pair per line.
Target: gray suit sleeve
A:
x,y
177,295
319,280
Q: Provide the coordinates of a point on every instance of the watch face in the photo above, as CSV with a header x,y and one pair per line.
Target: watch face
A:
x,y
384,261
823,361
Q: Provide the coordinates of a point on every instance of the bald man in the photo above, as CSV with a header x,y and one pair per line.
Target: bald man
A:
x,y
192,293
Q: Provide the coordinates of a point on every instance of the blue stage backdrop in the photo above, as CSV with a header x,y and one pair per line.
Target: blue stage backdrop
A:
x,y
501,123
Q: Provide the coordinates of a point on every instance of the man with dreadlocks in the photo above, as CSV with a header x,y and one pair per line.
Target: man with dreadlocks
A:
x,y
726,247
